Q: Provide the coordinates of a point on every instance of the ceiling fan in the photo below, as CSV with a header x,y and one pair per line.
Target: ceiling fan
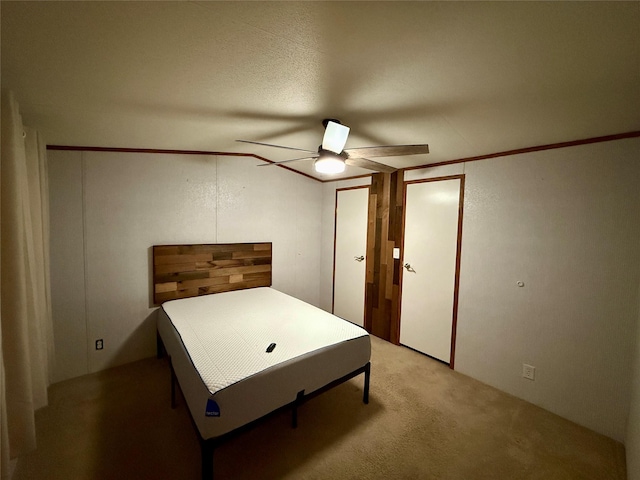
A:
x,y
332,157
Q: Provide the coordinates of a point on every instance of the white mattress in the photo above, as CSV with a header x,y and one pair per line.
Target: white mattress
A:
x,y
218,349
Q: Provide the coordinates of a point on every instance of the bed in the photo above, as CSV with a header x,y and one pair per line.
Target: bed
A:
x,y
239,349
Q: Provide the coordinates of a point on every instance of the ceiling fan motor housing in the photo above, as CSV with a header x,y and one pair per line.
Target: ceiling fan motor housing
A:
x,y
323,151
326,121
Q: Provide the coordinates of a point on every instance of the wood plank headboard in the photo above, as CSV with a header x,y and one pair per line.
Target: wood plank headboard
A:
x,y
181,271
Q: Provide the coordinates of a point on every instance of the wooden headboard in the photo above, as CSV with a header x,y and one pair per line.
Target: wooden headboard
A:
x,y
181,271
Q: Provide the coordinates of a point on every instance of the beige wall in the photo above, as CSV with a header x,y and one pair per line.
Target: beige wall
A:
x,y
632,441
566,223
108,209
67,264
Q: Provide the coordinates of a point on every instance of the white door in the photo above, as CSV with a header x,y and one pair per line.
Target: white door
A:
x,y
429,260
352,207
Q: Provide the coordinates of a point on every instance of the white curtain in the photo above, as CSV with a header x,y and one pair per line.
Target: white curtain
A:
x,y
26,332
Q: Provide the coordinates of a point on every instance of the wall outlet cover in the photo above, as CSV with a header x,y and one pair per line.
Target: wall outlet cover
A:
x,y
528,371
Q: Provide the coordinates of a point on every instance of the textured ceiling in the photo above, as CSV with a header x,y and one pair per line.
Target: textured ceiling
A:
x,y
466,78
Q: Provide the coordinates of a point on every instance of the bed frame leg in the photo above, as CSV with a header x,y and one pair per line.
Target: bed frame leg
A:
x,y
207,447
173,384
367,377
159,346
294,413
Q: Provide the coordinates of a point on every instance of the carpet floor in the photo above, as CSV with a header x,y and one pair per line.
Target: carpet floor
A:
x,y
423,421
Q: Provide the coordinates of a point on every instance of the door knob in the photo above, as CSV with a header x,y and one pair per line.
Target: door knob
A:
x,y
359,259
409,268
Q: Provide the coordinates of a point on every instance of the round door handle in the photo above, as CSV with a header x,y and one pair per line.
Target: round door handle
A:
x,y
359,259
409,268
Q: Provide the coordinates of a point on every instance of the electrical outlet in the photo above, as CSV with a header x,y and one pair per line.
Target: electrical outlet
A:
x,y
99,344
528,371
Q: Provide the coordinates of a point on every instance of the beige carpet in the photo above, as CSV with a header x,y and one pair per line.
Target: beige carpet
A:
x,y
423,422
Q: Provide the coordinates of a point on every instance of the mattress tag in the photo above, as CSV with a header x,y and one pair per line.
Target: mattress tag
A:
x,y
213,409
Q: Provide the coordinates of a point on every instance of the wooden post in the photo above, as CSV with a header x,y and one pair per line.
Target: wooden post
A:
x,y
207,448
383,271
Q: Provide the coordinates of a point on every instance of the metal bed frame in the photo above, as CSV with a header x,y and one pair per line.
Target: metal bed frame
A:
x,y
208,445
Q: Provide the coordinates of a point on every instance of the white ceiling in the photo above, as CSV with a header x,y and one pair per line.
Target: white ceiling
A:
x,y
468,78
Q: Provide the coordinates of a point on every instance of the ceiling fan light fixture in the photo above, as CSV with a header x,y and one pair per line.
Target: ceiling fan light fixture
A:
x,y
329,164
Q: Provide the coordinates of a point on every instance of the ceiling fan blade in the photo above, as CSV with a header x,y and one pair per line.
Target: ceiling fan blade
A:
x,y
387,151
276,146
335,137
369,165
287,161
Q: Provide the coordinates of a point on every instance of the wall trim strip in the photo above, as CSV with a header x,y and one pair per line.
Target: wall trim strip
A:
x,y
538,148
517,151
173,152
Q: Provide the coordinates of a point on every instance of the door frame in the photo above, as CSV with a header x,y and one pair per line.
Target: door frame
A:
x,y
456,285
335,234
